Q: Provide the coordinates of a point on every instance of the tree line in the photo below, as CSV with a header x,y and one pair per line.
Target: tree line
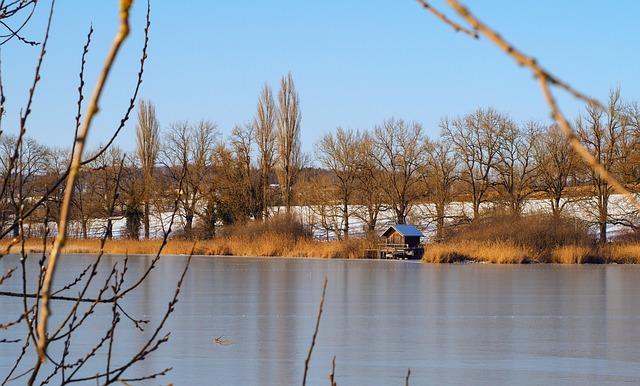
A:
x,y
484,158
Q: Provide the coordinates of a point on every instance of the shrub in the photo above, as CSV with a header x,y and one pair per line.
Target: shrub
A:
x,y
629,236
571,254
538,234
625,253
287,225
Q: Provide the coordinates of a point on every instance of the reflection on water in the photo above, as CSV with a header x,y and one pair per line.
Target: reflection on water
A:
x,y
451,324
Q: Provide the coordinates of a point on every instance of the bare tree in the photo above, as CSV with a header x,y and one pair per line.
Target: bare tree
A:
x,y
265,136
290,159
56,163
319,192
605,134
476,138
129,203
516,166
399,153
557,164
21,174
92,199
148,146
242,141
630,170
229,202
187,154
368,190
441,172
336,153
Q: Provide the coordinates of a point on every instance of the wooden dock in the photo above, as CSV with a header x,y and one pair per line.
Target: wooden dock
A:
x,y
395,251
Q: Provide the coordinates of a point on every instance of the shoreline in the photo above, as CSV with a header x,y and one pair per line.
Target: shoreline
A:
x,y
280,246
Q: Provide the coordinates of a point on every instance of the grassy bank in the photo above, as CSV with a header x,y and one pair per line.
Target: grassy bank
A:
x,y
268,244
496,239
504,252
494,252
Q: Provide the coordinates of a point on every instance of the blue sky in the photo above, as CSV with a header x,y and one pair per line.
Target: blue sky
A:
x,y
355,63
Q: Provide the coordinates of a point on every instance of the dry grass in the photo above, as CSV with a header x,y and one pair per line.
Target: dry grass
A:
x,y
573,254
132,247
621,253
267,244
275,244
504,252
478,251
498,237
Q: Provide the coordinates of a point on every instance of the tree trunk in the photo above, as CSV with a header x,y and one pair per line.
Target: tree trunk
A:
x,y
602,239
345,220
109,229
188,224
146,220
439,222
400,216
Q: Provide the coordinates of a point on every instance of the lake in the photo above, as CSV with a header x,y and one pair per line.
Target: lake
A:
x,y
468,324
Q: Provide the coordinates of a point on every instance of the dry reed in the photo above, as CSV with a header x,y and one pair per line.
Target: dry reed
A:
x,y
273,244
571,254
621,253
267,244
499,252
505,252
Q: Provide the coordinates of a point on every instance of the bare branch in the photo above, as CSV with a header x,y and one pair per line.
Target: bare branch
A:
x,y
315,334
333,371
10,11
545,78
81,89
446,20
92,110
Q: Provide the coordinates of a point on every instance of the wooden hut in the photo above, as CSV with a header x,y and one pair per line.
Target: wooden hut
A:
x,y
401,241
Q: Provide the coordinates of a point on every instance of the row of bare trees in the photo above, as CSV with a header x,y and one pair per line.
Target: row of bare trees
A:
x,y
483,157
216,181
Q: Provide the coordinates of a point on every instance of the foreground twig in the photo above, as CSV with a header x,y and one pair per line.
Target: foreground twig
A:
x,y
92,110
83,62
315,334
333,371
544,78
446,20
63,177
8,10
24,115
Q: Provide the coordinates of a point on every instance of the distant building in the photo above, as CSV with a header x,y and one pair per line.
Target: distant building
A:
x,y
402,241
403,234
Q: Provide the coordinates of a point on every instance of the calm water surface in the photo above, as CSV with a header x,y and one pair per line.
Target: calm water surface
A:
x,y
451,324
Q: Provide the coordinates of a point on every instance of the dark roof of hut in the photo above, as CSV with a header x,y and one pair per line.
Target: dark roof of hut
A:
x,y
404,230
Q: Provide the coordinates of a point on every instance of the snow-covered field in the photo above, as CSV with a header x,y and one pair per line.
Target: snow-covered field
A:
x,y
325,221
423,215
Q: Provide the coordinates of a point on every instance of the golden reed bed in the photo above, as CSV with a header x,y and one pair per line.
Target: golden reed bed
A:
x,y
280,245
509,253
264,245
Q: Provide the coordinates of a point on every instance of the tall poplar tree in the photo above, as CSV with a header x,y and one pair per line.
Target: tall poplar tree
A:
x,y
148,146
288,144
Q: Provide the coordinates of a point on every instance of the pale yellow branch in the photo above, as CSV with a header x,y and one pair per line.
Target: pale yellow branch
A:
x,y
545,79
579,148
92,110
517,55
446,20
